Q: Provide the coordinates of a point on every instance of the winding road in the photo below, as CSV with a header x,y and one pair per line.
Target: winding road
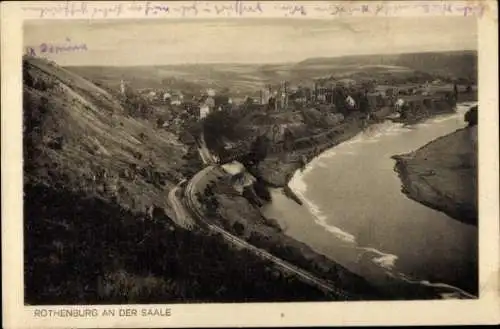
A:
x,y
187,218
194,206
182,217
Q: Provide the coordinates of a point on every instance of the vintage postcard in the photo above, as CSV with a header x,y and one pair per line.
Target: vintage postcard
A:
x,y
246,163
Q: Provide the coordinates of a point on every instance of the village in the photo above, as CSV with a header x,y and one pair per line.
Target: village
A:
x,y
288,115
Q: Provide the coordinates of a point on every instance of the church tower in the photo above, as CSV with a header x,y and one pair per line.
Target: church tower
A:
x,y
122,87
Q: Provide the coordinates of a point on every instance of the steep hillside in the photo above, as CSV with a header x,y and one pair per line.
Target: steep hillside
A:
x,y
97,226
78,137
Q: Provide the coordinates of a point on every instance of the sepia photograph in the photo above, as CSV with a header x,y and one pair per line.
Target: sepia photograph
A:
x,y
302,161
269,160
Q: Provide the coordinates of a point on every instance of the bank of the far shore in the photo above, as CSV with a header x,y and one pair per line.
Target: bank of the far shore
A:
x,y
278,171
443,174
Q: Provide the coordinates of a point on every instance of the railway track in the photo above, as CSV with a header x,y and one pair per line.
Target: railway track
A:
x,y
189,197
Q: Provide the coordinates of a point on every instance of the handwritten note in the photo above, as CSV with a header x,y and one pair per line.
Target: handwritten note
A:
x,y
176,9
55,48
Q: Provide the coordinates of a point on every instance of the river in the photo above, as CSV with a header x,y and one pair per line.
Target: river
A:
x,y
355,213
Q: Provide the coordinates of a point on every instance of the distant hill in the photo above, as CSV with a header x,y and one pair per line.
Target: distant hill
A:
x,y
192,78
247,79
456,64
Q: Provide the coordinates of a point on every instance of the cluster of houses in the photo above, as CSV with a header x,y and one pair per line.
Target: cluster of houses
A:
x,y
336,94
205,102
167,97
321,93
331,101
210,101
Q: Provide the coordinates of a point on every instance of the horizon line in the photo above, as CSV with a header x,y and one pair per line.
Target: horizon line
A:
x,y
279,63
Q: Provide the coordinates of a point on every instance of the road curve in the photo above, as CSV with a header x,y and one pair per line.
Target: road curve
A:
x,y
206,156
189,195
182,218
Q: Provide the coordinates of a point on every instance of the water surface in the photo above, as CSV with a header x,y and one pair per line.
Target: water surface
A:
x,y
356,214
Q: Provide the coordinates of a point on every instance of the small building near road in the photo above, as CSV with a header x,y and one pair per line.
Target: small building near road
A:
x,y
237,176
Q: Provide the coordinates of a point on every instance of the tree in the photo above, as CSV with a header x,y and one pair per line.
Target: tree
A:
x,y
159,122
364,105
212,204
258,151
238,228
221,124
404,111
471,116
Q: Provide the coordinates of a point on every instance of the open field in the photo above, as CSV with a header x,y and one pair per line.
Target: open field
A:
x,y
247,79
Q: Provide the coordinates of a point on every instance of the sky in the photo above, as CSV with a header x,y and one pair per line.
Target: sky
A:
x,y
166,42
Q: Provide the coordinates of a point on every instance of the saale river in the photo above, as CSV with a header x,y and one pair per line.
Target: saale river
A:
x,y
355,213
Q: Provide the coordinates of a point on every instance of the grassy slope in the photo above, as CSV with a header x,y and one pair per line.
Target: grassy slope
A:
x,y
87,237
443,174
96,135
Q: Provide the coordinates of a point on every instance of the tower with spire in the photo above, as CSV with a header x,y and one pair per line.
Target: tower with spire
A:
x,y
122,88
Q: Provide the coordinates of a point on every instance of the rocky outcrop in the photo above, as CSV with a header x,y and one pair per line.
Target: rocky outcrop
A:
x,y
443,175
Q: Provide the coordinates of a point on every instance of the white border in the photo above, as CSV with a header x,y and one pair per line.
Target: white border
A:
x,y
482,311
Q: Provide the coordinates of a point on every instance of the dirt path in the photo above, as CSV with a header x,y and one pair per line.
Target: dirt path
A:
x,y
182,218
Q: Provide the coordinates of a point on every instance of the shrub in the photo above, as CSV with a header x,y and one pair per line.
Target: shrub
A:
x,y
238,228
471,116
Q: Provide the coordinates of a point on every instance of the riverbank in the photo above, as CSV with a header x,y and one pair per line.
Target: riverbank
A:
x,y
239,213
443,175
238,216
277,171
355,216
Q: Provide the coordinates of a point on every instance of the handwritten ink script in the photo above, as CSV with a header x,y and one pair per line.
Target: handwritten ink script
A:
x,y
89,9
51,48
